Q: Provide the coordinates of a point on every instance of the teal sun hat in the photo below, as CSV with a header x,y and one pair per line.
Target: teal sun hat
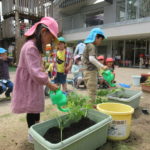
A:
x,y
62,39
92,36
2,50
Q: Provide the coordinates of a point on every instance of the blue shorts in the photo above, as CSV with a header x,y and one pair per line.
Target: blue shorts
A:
x,y
60,78
6,85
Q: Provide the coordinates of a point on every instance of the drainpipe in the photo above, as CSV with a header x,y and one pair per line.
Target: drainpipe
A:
x,y
52,7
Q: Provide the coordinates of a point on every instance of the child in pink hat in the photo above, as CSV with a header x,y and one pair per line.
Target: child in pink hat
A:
x,y
28,94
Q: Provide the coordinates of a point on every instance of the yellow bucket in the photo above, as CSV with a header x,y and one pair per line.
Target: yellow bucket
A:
x,y
121,114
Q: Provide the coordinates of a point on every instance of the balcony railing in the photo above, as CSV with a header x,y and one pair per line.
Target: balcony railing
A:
x,y
37,8
71,24
67,3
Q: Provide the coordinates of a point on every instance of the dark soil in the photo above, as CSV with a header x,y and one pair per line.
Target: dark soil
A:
x,y
53,134
122,96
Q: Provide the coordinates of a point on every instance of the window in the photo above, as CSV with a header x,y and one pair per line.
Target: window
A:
x,y
132,9
144,8
120,10
94,19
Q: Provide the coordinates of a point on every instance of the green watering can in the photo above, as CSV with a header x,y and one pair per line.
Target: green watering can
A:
x,y
59,98
109,77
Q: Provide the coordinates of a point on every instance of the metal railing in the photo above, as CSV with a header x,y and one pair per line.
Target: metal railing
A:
x,y
29,7
70,27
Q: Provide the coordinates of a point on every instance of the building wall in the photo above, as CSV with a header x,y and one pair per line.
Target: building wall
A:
x,y
138,30
110,13
125,29
75,24
77,20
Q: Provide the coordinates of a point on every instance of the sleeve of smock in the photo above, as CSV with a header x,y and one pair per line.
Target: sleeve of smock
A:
x,y
34,66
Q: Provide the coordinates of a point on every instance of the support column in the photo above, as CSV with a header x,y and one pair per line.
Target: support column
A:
x,y
134,52
124,52
17,31
149,47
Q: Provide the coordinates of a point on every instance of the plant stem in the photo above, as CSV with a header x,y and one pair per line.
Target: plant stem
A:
x,y
85,113
61,130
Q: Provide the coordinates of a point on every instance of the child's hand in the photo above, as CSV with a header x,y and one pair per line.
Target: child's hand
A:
x,y
4,56
82,69
52,87
104,67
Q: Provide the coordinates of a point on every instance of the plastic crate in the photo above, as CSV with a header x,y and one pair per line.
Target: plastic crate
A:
x,y
145,88
88,139
133,100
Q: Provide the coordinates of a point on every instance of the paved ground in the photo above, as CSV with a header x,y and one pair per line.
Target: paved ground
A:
x,y
13,130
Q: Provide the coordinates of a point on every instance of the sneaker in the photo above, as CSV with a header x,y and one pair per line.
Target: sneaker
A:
x,y
30,139
146,111
7,94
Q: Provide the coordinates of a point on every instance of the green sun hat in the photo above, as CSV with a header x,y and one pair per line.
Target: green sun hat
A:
x,y
62,39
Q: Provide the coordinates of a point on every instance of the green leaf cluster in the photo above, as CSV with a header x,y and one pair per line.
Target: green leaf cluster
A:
x,y
101,95
147,82
78,106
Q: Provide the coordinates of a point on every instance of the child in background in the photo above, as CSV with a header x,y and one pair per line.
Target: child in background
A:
x,y
77,70
101,59
62,64
5,84
50,70
101,82
110,65
141,60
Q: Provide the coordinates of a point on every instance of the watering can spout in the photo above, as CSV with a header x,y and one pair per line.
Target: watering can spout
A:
x,y
63,109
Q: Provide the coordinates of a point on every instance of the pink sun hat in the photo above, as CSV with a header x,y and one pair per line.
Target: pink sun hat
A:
x,y
76,57
50,23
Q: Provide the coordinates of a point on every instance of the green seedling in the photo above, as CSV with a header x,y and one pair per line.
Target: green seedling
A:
x,y
78,107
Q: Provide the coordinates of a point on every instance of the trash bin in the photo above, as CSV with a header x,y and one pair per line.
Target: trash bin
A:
x,y
121,114
136,80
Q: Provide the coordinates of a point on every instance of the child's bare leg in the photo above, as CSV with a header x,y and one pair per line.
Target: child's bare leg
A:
x,y
64,87
79,82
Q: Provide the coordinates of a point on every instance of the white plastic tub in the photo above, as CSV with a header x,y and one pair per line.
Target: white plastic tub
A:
x,y
132,100
136,80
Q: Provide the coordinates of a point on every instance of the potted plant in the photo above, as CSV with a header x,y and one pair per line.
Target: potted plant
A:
x,y
126,96
146,85
119,95
88,138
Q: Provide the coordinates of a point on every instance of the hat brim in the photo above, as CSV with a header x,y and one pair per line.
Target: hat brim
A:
x,y
2,50
33,28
